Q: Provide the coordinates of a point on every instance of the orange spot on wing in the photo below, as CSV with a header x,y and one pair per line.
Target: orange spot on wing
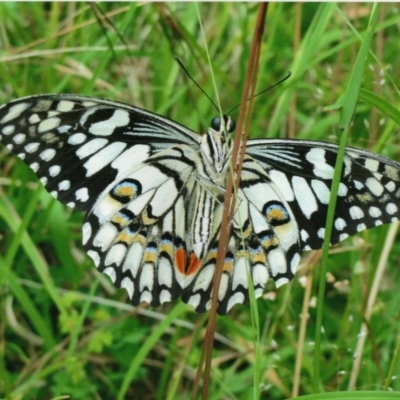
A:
x,y
194,264
228,265
180,260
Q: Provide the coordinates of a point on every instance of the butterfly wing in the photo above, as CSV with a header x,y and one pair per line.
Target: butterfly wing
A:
x,y
303,171
128,168
78,145
136,231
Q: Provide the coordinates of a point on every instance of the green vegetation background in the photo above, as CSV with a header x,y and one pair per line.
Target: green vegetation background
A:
x,y
64,329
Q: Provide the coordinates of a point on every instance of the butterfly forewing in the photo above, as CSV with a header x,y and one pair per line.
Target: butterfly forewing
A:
x,y
79,145
368,192
153,194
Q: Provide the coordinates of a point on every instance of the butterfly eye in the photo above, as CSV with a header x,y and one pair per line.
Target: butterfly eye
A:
x,y
230,124
216,124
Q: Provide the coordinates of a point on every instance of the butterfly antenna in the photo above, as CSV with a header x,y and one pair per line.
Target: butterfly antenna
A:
x,y
192,79
289,74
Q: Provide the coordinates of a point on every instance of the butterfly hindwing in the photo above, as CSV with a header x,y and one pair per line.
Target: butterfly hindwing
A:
x,y
136,231
263,243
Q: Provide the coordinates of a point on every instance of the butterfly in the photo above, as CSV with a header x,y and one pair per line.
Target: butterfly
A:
x,y
153,193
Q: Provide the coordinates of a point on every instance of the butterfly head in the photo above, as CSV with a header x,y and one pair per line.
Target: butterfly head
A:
x,y
225,124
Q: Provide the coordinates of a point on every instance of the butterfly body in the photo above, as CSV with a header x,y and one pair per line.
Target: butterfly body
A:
x,y
153,195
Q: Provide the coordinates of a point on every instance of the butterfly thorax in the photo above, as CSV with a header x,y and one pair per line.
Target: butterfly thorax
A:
x,y
208,192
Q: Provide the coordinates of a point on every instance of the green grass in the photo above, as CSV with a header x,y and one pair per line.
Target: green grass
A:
x,y
57,340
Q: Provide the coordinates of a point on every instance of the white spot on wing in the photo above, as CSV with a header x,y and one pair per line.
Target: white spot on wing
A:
x,y
165,296
295,262
237,298
65,105
54,170
77,138
304,196
260,274
358,185
164,198
165,274
280,179
342,191
343,236
91,147
240,273
281,281
133,259
146,297
127,284
82,195
204,278
34,119
15,111
19,138
8,130
390,186
64,185
277,261
103,157
94,255
321,191
111,273
86,232
107,127
371,164
147,277
131,156
105,236
374,186
374,212
304,235
64,128
47,155
48,124
34,166
31,147
391,208
116,254
194,300
223,287
340,224
356,212
316,156
361,227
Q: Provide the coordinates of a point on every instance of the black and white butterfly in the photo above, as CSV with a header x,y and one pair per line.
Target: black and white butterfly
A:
x,y
153,195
